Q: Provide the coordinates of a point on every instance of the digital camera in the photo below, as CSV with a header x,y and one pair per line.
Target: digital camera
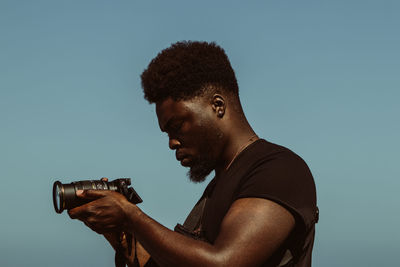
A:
x,y
64,195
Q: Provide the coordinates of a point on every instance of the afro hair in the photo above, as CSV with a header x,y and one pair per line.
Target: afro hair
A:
x,y
184,70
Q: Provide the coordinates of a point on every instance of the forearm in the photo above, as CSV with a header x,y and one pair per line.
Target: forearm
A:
x,y
167,247
250,232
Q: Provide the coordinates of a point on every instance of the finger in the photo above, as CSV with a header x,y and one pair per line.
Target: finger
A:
x,y
91,194
99,227
82,212
96,229
86,219
73,214
78,213
93,227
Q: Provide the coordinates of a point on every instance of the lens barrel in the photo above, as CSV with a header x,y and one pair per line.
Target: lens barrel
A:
x,y
64,195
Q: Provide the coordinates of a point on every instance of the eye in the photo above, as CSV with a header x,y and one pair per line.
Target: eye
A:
x,y
176,127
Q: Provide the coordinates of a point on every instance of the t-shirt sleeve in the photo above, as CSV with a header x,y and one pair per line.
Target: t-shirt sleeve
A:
x,y
285,180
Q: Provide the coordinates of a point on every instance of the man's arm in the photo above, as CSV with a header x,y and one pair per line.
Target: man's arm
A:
x,y
251,231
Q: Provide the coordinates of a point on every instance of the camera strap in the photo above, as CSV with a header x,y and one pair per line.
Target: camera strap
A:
x,y
192,227
119,253
193,221
119,250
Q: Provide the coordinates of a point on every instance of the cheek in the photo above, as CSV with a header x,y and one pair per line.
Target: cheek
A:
x,y
199,134
194,138
205,139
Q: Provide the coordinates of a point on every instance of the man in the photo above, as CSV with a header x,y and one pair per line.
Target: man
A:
x,y
260,208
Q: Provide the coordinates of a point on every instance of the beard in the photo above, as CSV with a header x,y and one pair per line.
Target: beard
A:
x,y
204,164
201,169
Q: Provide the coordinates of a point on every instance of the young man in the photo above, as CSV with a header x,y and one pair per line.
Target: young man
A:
x,y
260,208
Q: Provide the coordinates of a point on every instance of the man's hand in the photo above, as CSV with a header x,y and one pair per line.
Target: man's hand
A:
x,y
105,214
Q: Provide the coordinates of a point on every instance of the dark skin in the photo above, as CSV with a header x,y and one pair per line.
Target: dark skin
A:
x,y
250,232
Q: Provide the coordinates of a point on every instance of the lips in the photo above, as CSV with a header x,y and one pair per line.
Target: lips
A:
x,y
183,158
179,155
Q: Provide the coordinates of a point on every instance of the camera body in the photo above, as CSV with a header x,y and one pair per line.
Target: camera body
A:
x,y
64,195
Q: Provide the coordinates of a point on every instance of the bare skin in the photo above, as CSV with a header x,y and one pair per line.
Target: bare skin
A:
x,y
250,232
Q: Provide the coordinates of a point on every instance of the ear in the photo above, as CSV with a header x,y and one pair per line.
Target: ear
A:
x,y
219,105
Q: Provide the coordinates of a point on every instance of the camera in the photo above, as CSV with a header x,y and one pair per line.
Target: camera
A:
x,y
64,195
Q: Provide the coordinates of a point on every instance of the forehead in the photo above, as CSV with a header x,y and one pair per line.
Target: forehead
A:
x,y
171,109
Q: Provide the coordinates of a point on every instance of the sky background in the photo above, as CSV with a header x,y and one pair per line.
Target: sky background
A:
x,y
319,77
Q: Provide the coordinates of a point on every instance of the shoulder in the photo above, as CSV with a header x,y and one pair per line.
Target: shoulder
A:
x,y
276,173
271,162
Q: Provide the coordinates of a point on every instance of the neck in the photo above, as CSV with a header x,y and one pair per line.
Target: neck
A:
x,y
234,147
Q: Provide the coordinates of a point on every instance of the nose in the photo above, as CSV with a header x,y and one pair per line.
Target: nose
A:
x,y
174,143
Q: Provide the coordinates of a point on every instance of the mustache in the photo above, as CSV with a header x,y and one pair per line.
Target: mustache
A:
x,y
180,155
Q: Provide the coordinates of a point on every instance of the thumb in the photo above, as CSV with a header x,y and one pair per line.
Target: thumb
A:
x,y
91,194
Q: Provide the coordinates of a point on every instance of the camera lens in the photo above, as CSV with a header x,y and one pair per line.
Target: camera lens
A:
x,y
64,195
58,197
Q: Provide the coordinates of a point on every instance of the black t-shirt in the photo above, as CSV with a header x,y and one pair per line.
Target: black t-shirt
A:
x,y
266,170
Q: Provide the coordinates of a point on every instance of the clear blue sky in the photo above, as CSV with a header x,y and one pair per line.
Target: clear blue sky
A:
x,y
320,77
